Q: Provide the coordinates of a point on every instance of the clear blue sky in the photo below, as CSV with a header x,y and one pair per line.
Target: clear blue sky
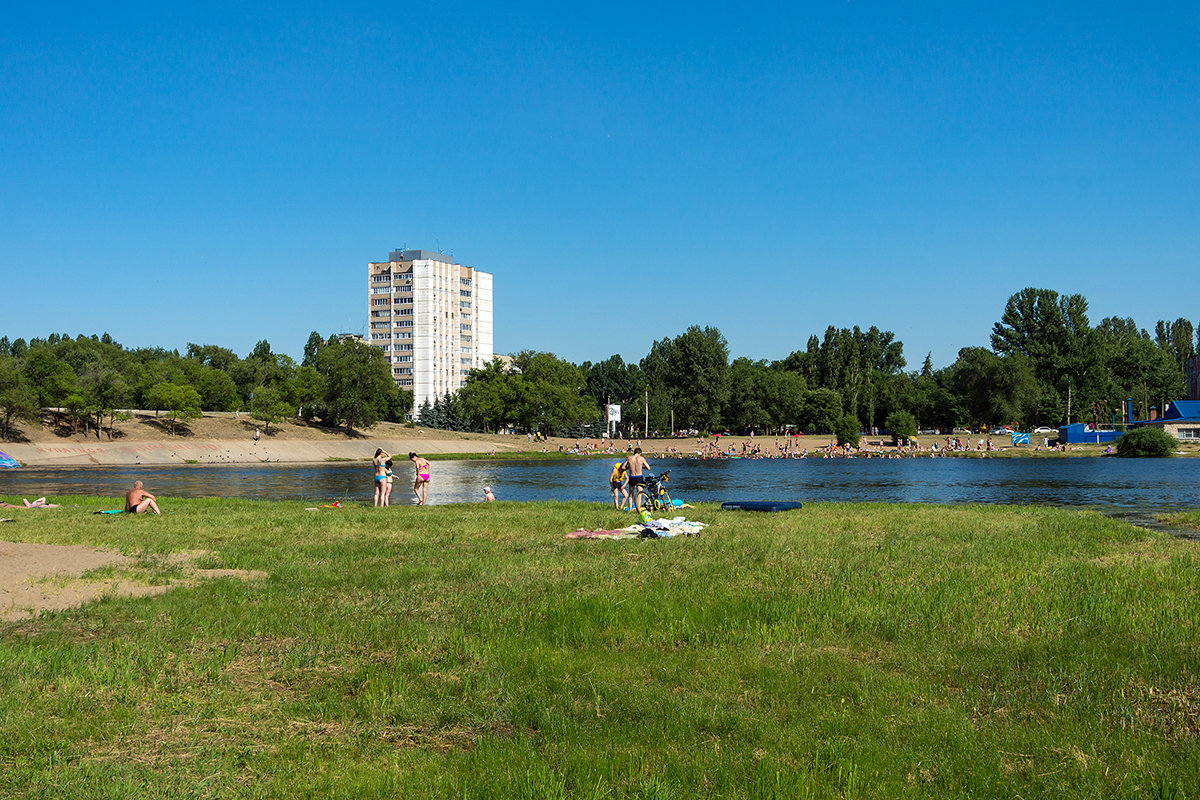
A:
x,y
223,174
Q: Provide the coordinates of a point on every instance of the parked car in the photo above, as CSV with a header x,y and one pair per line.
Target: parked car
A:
x,y
1044,429
1003,430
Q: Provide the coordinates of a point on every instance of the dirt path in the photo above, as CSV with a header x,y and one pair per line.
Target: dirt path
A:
x,y
48,577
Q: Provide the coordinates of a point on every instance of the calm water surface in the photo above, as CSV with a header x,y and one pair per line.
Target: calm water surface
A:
x,y
1106,483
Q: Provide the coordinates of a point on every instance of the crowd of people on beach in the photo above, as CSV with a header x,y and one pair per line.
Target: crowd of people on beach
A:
x,y
717,447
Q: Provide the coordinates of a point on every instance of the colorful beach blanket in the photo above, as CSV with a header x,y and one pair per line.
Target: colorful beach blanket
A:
x,y
8,462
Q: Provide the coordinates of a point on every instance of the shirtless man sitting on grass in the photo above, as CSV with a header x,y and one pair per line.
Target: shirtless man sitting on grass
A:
x,y
137,500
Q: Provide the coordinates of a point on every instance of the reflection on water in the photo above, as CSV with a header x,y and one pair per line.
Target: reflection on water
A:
x,y
1111,483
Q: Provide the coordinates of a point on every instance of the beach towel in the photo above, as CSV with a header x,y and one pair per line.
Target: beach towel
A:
x,y
586,534
111,511
8,462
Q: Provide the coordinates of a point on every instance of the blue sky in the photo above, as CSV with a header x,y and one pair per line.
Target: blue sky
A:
x,y
223,175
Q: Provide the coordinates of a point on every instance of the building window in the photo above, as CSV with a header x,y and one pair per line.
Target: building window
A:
x,y
384,278
1188,433
403,359
465,281
380,301
401,301
464,292
465,328
380,336
381,290
402,370
406,382
380,324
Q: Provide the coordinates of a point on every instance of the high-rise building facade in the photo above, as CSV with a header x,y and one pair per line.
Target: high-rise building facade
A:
x,y
432,318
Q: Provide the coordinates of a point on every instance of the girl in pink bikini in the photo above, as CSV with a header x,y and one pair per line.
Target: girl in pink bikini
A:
x,y
421,485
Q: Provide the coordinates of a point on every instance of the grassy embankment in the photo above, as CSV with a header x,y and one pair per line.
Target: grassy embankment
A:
x,y
472,651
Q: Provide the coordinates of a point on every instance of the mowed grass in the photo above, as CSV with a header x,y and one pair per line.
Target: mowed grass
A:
x,y
471,651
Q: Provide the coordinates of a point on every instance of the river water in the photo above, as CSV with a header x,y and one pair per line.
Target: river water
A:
x,y
1112,484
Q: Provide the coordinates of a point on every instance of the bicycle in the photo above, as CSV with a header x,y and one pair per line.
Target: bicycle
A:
x,y
651,495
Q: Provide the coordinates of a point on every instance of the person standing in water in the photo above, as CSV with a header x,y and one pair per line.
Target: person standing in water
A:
x,y
381,474
421,484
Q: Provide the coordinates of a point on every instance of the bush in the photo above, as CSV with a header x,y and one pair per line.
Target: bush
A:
x,y
1146,443
902,425
846,430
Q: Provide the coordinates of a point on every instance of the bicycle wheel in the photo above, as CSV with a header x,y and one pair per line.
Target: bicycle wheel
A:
x,y
642,499
664,500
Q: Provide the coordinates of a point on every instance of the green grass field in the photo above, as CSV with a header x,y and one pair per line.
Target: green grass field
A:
x,y
471,651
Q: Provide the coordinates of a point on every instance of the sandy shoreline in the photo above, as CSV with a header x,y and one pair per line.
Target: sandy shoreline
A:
x,y
226,438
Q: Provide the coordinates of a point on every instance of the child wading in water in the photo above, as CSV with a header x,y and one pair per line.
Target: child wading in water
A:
x,y
421,484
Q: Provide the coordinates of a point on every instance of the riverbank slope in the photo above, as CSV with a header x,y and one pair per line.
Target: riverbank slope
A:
x,y
229,438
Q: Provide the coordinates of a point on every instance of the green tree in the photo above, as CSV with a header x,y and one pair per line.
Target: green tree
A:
x,y
216,389
846,429
103,390
311,348
689,379
548,396
307,387
1178,339
821,411
425,415
994,389
358,383
1135,367
269,405
17,400
1054,334
850,361
220,358
51,378
614,381
179,402
489,398
902,425
700,376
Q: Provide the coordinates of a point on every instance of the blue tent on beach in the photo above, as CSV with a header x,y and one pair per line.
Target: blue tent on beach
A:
x,y
8,462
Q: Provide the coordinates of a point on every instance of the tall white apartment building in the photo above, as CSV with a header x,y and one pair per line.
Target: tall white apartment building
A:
x,y
432,318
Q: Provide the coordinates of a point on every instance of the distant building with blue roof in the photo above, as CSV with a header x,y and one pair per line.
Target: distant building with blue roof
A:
x,y
1181,419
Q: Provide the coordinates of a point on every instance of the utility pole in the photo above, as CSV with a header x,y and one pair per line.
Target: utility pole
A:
x,y
646,424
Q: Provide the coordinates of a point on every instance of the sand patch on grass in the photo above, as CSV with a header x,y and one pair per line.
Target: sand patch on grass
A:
x,y
48,577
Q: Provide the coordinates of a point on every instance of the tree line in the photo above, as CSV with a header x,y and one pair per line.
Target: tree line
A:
x,y
1046,363
90,379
